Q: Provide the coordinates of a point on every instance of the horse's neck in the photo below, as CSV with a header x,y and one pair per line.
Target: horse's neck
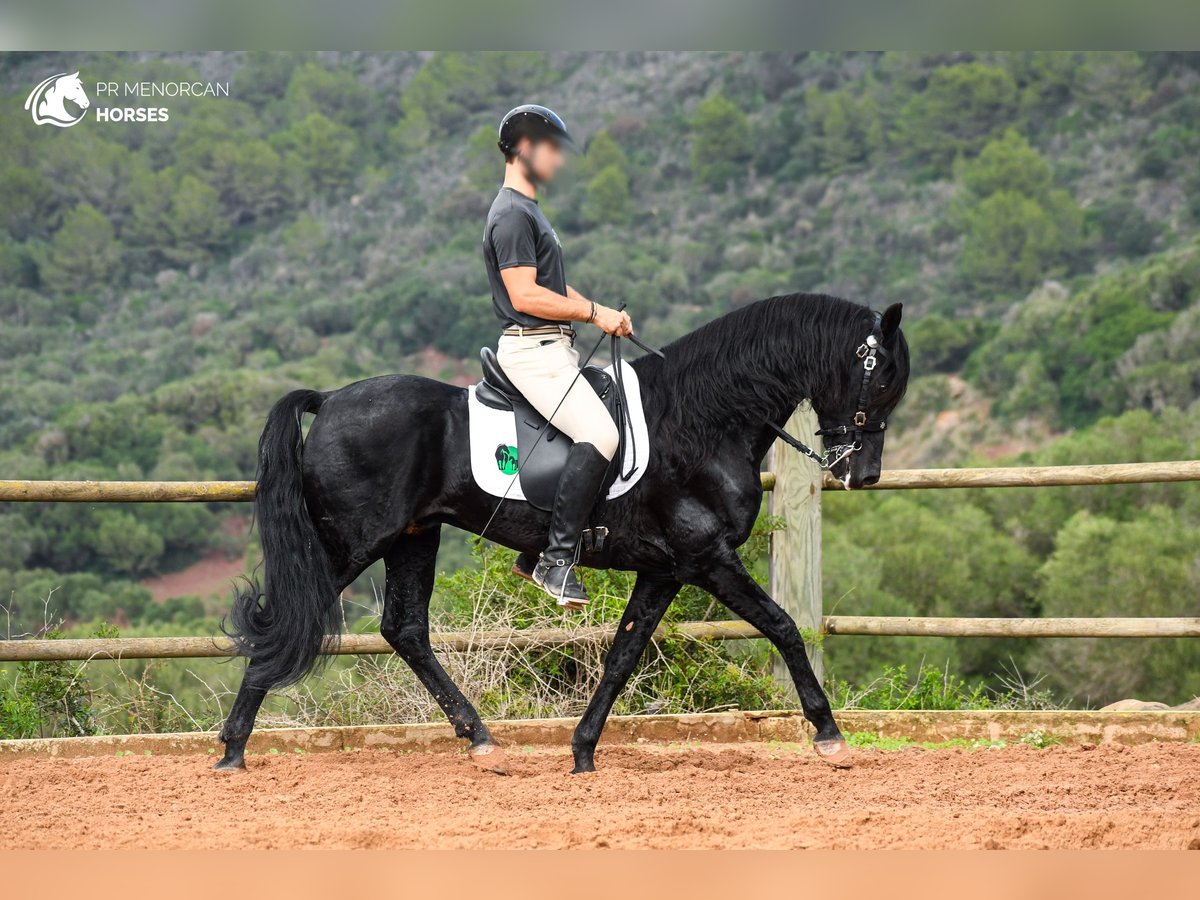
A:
x,y
804,381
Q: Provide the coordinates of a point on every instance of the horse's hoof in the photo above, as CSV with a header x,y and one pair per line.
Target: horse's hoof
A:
x,y
231,765
490,758
834,753
584,765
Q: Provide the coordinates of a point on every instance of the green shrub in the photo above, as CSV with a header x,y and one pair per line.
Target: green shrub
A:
x,y
929,688
45,699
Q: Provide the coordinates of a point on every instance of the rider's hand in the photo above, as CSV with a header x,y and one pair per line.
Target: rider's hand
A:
x,y
613,321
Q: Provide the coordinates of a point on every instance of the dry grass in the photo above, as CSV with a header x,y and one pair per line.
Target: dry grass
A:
x,y
508,682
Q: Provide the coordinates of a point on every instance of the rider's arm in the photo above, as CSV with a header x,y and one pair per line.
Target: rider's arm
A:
x,y
529,297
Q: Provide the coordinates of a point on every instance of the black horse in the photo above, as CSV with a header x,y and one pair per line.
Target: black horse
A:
x,y
386,463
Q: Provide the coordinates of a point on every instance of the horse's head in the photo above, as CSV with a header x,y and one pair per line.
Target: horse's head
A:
x,y
877,381
70,88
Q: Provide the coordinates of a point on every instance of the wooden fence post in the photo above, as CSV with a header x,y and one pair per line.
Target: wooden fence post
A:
x,y
796,549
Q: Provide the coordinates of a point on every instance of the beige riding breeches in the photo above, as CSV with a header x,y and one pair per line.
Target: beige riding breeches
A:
x,y
543,368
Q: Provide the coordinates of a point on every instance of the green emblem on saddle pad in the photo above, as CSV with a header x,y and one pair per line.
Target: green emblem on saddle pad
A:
x,y
506,459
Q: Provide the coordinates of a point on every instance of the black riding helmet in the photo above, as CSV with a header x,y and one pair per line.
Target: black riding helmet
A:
x,y
533,121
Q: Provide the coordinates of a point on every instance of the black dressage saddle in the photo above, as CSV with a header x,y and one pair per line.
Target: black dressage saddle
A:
x,y
542,448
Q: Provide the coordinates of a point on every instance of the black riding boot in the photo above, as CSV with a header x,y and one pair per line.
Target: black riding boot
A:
x,y
578,486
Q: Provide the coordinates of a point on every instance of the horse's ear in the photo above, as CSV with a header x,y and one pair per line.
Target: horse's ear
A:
x,y
889,324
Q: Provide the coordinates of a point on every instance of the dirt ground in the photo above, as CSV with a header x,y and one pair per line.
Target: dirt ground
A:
x,y
643,796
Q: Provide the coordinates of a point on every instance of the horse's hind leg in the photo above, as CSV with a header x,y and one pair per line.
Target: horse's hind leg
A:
x,y
411,564
240,723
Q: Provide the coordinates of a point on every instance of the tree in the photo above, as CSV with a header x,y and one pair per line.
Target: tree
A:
x,y
1006,164
1019,229
608,200
1010,243
323,152
24,202
452,86
1039,516
125,543
174,220
963,564
194,222
1102,567
483,162
941,344
248,176
962,107
333,93
265,76
1162,368
603,151
720,141
16,541
83,255
837,145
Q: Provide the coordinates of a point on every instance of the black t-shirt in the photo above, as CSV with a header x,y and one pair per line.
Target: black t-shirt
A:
x,y
518,234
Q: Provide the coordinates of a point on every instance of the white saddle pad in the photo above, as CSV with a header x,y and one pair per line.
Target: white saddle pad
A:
x,y
492,428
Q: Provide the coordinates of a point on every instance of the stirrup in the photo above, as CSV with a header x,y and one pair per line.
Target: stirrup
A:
x,y
565,570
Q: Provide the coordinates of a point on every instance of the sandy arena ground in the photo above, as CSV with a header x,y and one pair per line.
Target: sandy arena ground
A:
x,y
644,795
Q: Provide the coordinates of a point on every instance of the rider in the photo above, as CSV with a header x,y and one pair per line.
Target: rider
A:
x,y
536,350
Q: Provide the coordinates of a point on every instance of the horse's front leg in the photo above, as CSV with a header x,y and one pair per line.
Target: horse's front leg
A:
x,y
723,575
651,596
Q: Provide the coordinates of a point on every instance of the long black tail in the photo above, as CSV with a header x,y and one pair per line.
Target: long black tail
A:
x,y
282,624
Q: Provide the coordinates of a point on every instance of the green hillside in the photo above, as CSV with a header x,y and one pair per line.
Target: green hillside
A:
x,y
1038,214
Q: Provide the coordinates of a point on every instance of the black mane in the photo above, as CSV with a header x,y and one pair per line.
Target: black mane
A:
x,y
755,365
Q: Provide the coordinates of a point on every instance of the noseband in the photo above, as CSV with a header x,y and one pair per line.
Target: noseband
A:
x,y
869,352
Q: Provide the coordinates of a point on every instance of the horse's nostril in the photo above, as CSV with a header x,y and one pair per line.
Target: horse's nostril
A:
x,y
870,480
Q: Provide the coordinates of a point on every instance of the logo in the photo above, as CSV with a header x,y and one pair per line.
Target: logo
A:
x,y
506,459
46,102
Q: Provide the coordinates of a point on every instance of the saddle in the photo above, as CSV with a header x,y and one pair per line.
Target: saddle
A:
x,y
541,448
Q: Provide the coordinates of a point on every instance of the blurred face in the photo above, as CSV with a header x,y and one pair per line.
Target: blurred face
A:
x,y
544,158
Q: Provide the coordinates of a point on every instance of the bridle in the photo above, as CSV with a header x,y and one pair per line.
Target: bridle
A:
x,y
869,351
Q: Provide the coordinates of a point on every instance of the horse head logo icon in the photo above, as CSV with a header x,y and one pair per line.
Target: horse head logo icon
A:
x,y
45,101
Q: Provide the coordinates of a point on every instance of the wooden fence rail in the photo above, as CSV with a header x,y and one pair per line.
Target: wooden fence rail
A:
x,y
899,479
241,491
358,644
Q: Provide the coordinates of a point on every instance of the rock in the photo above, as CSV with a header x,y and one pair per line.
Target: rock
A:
x,y
1131,705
